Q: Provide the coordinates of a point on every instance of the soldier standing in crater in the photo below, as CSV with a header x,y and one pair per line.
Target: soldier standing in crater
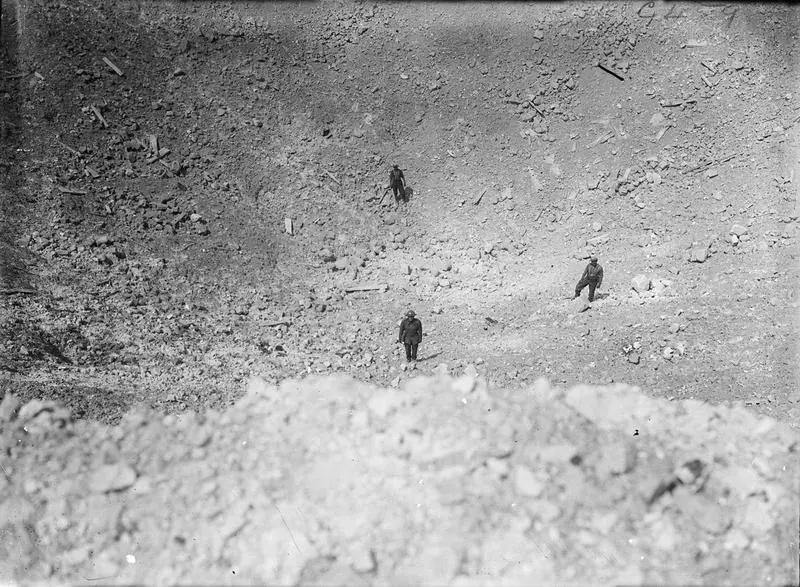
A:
x,y
410,335
592,276
398,184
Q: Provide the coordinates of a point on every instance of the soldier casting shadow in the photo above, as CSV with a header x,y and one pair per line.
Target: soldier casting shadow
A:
x,y
410,335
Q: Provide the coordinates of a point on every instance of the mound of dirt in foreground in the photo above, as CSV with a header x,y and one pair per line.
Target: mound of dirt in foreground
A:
x,y
444,481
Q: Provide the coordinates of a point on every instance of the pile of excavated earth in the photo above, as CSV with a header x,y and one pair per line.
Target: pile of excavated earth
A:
x,y
329,481
193,198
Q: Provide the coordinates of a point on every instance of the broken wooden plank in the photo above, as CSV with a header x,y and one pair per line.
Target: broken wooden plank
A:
x,y
116,69
93,172
163,152
532,105
607,70
289,226
600,139
480,197
70,149
16,76
73,191
661,133
708,67
710,163
272,324
10,292
333,177
153,143
372,287
99,116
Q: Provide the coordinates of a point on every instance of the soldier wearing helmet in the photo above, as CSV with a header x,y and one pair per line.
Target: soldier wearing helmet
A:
x,y
410,334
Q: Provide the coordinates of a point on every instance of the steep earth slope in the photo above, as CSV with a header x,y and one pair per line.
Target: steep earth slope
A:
x,y
193,193
168,280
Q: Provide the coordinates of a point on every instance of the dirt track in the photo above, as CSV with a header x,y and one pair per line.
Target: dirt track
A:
x,y
145,260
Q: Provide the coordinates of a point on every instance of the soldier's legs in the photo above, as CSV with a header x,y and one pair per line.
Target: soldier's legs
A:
x,y
592,286
414,346
579,287
408,350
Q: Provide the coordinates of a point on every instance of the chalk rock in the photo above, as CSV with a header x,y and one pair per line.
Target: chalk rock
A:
x,y
641,283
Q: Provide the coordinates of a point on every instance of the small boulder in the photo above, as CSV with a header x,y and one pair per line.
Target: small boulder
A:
x,y
738,230
526,482
641,283
327,255
116,477
699,254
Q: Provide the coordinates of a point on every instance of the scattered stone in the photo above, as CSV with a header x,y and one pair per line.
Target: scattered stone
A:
x,y
9,407
616,458
598,240
526,483
640,283
757,518
738,230
699,253
116,477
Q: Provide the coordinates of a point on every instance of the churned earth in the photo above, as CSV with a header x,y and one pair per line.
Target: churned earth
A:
x,y
193,195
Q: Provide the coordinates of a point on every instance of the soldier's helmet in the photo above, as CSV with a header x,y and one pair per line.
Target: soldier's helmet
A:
x,y
410,313
593,259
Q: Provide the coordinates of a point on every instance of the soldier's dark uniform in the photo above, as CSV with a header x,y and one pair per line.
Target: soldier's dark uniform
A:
x,y
592,276
397,182
410,335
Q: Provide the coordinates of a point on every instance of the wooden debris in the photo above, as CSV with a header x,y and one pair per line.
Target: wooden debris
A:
x,y
708,67
116,69
374,287
163,152
289,226
705,81
272,324
710,163
70,149
99,116
615,74
10,292
532,105
480,196
15,76
600,139
93,172
153,143
333,177
73,191
661,133
39,75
